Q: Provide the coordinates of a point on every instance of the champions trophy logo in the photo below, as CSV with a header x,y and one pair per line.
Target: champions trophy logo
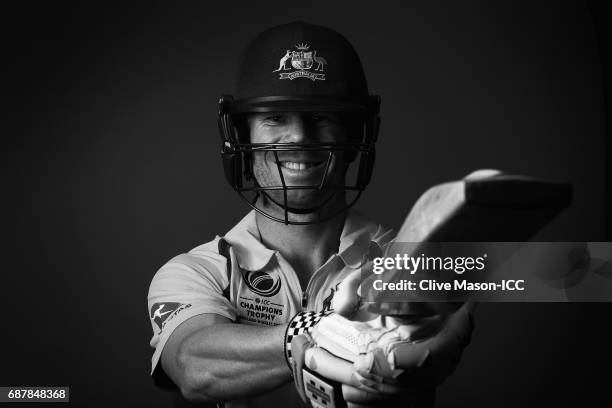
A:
x,y
262,283
302,61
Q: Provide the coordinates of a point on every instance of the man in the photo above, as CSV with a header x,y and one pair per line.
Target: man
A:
x,y
300,125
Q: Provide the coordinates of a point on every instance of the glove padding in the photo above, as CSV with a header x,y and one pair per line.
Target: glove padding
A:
x,y
324,380
418,339
427,347
380,361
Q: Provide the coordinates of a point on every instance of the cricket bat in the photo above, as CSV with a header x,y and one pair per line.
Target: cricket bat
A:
x,y
485,206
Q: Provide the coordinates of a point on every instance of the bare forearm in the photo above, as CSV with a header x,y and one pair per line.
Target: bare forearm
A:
x,y
232,361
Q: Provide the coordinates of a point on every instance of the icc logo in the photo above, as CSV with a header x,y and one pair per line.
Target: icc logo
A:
x,y
306,64
262,283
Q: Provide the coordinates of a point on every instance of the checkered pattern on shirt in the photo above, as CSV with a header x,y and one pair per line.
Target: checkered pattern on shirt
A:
x,y
302,322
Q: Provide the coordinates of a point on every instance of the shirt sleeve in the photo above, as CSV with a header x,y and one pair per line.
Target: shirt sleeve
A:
x,y
188,285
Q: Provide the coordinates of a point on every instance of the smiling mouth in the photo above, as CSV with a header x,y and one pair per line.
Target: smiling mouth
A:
x,y
300,166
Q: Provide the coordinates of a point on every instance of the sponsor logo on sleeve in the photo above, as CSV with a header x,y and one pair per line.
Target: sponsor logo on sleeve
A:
x,y
162,313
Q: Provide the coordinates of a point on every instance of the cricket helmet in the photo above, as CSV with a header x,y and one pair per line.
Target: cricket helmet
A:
x,y
299,67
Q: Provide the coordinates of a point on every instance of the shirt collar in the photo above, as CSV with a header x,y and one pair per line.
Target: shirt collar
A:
x,y
356,240
245,240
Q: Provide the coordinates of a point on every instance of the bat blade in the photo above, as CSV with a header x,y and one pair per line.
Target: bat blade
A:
x,y
500,208
495,208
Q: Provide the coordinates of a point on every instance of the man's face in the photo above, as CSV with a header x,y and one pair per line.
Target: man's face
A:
x,y
303,167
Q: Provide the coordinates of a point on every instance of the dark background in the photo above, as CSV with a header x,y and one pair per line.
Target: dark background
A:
x,y
113,168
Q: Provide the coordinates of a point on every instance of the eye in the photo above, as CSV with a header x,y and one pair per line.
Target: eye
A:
x,y
321,118
275,119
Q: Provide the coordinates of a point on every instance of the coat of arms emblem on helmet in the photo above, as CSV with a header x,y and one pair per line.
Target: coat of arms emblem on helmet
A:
x,y
305,64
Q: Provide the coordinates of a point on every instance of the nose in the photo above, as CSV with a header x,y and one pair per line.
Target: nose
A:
x,y
298,130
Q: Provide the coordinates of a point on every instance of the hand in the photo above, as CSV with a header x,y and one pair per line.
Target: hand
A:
x,y
351,355
348,301
392,359
426,361
319,375
425,347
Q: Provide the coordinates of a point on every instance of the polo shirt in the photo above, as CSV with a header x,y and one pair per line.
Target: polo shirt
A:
x,y
252,284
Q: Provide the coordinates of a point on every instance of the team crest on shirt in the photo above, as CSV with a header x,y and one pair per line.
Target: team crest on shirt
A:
x,y
161,313
262,283
302,63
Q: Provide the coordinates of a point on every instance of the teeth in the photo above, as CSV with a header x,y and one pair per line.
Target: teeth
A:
x,y
297,166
